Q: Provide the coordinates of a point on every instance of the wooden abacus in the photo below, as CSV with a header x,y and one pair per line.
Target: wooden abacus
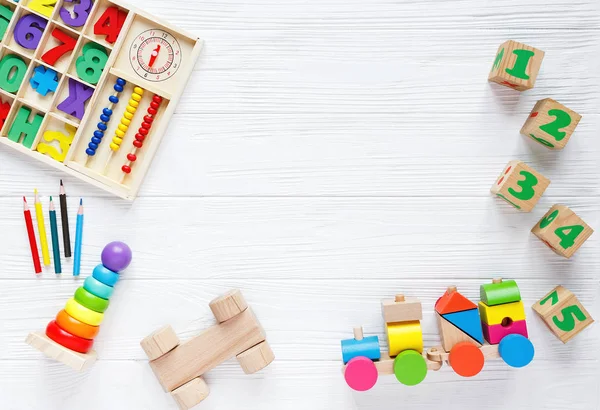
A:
x,y
65,71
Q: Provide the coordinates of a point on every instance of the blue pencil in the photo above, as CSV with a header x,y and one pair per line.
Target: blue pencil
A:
x,y
54,233
78,234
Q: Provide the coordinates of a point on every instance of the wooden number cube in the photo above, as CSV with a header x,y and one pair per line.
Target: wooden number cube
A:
x,y
520,185
562,230
551,124
563,313
516,65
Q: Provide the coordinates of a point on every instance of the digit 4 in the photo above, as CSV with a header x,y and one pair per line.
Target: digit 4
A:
x,y
51,56
110,23
568,239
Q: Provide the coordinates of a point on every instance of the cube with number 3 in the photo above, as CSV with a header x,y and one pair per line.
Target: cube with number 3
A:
x,y
551,124
516,65
520,185
562,312
562,230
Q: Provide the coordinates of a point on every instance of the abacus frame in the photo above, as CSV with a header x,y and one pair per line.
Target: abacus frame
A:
x,y
70,165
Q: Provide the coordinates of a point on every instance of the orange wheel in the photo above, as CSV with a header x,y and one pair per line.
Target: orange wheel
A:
x,y
466,359
75,327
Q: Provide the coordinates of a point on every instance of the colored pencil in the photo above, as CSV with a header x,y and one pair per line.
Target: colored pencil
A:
x,y
64,217
78,233
32,242
39,214
54,233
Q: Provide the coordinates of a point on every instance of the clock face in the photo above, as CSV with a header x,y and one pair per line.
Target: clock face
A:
x,y
155,55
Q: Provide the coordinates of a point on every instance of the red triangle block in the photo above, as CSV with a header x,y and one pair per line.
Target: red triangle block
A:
x,y
453,302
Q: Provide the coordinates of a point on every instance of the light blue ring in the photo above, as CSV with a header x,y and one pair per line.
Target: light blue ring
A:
x,y
102,274
97,288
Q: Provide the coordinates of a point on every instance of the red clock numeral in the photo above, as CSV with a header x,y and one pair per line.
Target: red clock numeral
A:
x,y
51,56
110,23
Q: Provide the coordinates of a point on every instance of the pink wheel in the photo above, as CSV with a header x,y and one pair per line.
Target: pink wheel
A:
x,y
361,373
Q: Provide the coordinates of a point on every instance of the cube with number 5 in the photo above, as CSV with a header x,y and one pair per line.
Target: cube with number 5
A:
x,y
562,312
520,185
551,124
562,230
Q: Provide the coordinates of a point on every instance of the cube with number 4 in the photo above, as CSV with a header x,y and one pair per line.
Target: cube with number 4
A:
x,y
516,65
562,230
562,312
520,185
551,124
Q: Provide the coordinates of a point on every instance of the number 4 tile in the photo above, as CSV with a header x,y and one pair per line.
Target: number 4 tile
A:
x,y
562,230
520,185
562,312
551,124
516,65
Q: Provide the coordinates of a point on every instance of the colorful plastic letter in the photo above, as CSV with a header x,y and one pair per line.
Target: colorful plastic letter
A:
x,y
51,56
64,141
74,104
110,23
81,13
12,71
29,30
22,125
44,80
4,110
5,16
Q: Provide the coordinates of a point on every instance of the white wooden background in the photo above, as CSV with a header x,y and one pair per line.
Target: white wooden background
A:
x,y
327,154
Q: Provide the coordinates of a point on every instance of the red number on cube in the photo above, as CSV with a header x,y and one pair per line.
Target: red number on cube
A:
x,y
51,56
110,23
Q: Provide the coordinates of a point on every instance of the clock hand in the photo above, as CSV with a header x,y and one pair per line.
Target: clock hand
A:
x,y
154,55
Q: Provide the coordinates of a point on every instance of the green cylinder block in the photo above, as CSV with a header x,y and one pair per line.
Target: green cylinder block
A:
x,y
499,293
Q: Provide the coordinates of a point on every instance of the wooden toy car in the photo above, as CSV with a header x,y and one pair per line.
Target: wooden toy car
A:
x,y
179,367
462,333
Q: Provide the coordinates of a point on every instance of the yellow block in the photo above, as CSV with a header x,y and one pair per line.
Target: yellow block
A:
x,y
83,314
404,336
494,315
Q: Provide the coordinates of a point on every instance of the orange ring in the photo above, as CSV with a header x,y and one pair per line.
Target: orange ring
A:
x,y
75,327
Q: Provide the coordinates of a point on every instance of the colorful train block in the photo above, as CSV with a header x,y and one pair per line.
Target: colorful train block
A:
x,y
69,338
180,367
551,124
516,65
562,230
462,332
562,312
520,185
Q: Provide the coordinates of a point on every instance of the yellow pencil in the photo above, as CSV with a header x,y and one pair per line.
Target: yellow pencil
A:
x,y
42,230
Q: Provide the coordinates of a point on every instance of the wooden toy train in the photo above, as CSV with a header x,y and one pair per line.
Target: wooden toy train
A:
x,y
500,320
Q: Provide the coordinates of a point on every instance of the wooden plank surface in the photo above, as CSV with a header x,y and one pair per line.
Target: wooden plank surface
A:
x,y
328,154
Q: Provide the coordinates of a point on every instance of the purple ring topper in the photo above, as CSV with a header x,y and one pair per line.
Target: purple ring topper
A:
x,y
74,104
79,15
29,30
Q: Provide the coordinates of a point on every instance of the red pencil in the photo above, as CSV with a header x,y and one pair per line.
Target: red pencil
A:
x,y
32,243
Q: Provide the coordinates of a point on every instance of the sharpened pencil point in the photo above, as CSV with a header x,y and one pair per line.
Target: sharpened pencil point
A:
x,y
61,184
24,200
80,201
50,199
35,191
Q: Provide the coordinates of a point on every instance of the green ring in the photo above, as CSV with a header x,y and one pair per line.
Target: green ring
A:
x,y
410,367
90,301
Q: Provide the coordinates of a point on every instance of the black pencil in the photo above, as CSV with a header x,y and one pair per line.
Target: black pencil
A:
x,y
64,216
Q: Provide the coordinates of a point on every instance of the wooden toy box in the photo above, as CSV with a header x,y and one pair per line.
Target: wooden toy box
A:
x,y
83,47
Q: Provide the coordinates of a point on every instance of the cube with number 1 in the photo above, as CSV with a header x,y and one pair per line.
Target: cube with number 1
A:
x,y
562,312
562,230
520,185
551,124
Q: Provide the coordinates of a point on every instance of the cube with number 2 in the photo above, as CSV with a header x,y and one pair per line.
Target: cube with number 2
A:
x,y
520,185
562,230
562,312
551,124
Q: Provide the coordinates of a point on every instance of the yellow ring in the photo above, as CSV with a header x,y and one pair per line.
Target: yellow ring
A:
x,y
133,103
131,109
125,121
119,133
128,115
136,97
83,314
138,90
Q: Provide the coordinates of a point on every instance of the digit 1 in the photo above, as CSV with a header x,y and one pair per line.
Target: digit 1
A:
x,y
5,16
110,23
519,70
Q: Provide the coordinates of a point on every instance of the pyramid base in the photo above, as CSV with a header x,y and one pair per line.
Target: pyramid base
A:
x,y
75,360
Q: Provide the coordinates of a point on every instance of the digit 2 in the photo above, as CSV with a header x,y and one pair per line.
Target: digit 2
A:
x,y
563,119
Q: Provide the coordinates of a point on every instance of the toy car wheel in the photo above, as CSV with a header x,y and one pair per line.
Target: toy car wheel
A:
x,y
466,359
410,367
361,373
516,350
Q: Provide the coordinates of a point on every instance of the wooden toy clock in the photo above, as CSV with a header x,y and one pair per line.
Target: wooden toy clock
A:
x,y
89,86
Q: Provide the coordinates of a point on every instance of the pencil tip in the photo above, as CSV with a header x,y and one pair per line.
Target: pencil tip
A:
x,y
24,200
61,184
50,198
35,191
80,201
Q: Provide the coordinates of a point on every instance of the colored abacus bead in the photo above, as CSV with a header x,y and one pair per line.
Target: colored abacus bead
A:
x,y
126,169
113,99
131,157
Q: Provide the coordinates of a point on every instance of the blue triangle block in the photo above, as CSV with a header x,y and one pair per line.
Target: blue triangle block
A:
x,y
468,321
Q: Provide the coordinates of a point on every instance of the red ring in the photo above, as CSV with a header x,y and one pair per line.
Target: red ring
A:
x,y
157,99
126,169
151,111
148,119
66,339
131,157
137,143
